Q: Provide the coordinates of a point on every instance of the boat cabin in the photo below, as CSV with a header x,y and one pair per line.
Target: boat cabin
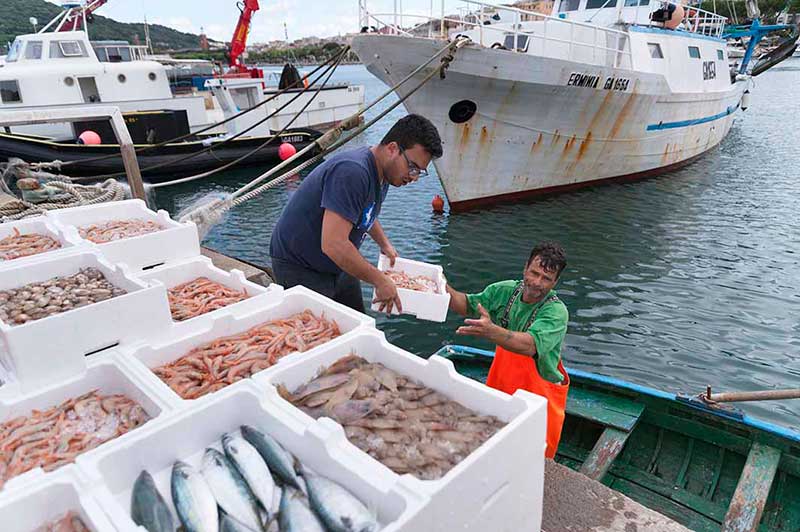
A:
x,y
65,68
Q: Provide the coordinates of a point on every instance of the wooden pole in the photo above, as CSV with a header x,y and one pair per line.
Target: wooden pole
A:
x,y
764,395
128,152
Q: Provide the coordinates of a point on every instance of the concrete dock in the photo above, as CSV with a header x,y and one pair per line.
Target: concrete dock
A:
x,y
573,501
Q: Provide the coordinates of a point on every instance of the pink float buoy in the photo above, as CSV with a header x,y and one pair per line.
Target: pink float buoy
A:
x,y
89,138
286,150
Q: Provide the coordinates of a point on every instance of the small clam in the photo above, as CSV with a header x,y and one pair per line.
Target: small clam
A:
x,y
22,318
37,289
52,308
42,302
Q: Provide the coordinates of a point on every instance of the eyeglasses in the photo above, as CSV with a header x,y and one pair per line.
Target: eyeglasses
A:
x,y
413,169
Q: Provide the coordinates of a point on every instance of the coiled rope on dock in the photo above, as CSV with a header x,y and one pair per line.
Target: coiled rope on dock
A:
x,y
64,193
211,213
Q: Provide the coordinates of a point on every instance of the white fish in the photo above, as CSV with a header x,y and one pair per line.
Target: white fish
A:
x,y
338,508
252,467
194,502
230,489
295,515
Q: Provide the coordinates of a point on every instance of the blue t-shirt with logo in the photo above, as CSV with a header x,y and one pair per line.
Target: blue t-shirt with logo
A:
x,y
347,184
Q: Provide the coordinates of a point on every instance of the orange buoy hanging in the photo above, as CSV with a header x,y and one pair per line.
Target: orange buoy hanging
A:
x,y
437,204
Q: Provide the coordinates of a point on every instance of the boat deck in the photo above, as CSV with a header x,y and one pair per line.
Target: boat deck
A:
x,y
573,501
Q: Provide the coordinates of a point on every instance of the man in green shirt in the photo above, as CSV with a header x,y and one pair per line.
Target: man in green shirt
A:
x,y
528,323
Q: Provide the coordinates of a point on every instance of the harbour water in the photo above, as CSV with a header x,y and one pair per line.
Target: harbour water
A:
x,y
675,282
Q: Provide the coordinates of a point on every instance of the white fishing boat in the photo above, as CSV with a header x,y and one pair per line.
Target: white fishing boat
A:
x,y
61,67
596,90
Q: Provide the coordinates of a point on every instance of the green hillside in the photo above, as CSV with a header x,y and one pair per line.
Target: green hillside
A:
x,y
14,15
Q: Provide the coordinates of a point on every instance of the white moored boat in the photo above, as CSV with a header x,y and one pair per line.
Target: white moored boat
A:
x,y
539,103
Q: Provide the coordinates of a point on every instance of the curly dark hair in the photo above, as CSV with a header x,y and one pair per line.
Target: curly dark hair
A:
x,y
551,255
415,129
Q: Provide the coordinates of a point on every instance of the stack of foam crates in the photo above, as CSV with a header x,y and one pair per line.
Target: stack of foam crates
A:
x,y
496,487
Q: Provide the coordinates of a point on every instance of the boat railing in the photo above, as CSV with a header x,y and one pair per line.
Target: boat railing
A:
x,y
695,20
516,30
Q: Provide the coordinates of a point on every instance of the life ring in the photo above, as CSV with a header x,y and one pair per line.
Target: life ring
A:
x,y
499,46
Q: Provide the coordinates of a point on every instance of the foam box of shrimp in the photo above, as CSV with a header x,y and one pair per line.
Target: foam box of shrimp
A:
x,y
430,306
504,476
180,272
281,304
53,348
186,434
173,242
102,374
49,499
39,225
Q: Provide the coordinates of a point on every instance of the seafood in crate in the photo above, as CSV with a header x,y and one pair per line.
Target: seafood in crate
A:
x,y
264,444
59,503
418,283
199,296
68,523
39,300
54,437
212,366
407,426
112,230
21,245
127,232
253,481
108,306
421,287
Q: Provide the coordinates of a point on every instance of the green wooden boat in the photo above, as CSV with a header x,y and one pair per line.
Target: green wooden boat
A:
x,y
707,468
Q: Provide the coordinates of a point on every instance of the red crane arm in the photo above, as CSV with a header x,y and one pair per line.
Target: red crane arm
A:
x,y
239,41
74,19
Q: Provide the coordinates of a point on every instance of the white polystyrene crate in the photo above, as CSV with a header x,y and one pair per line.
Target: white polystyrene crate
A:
x,y
104,374
284,303
176,273
53,348
37,504
186,434
38,225
176,241
424,306
505,474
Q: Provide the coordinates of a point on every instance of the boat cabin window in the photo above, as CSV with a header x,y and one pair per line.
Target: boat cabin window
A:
x,y
636,3
9,91
720,55
67,49
694,52
597,4
655,50
33,50
521,45
569,5
14,52
113,54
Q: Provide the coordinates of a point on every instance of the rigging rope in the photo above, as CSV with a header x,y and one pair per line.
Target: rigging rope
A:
x,y
211,213
295,85
257,148
327,71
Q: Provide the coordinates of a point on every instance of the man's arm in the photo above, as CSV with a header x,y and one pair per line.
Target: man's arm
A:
x,y
517,342
337,246
382,240
458,301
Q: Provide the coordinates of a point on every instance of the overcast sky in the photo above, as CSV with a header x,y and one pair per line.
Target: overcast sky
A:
x,y
303,18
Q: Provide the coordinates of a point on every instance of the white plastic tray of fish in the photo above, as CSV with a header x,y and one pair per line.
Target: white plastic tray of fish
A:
x,y
503,476
41,351
248,473
105,404
61,496
197,274
431,301
172,240
30,240
200,338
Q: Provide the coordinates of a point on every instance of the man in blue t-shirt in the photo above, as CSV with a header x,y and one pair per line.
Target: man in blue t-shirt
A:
x,y
317,238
